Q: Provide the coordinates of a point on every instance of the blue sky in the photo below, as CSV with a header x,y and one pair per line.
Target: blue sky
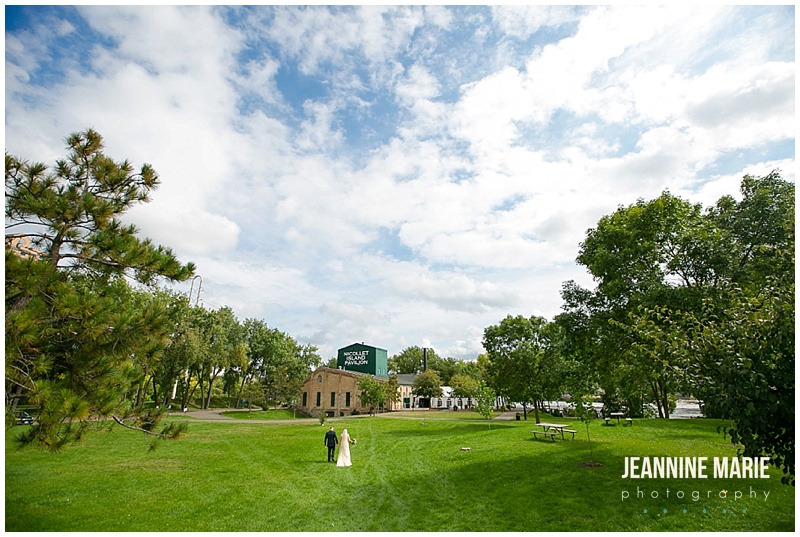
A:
x,y
403,175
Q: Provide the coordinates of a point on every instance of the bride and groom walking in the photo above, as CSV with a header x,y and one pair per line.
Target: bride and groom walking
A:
x,y
344,449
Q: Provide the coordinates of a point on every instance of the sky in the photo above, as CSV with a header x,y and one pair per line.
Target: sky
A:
x,y
402,175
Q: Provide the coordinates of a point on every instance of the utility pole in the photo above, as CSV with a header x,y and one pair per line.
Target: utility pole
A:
x,y
191,289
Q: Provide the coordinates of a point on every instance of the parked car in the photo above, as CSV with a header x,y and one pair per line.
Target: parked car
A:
x,y
23,418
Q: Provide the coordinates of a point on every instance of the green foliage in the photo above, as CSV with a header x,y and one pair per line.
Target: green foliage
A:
x,y
73,213
653,252
650,245
373,392
79,340
391,390
695,300
740,362
255,393
464,386
223,346
427,384
446,367
669,253
524,364
275,360
762,228
409,360
485,398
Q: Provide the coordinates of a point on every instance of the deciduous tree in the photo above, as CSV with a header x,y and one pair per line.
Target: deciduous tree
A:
x,y
372,393
464,386
427,385
521,364
485,398
701,300
739,361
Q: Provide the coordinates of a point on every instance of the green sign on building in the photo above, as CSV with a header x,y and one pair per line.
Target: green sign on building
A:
x,y
365,359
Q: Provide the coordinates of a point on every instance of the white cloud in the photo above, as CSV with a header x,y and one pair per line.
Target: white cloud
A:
x,y
318,133
521,21
193,230
317,36
487,113
451,290
259,79
746,106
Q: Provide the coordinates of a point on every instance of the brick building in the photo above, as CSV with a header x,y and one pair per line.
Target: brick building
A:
x,y
335,390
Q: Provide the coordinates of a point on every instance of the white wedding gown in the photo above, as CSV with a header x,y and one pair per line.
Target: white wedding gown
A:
x,y
344,450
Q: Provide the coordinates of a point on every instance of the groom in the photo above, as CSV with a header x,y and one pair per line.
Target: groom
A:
x,y
330,442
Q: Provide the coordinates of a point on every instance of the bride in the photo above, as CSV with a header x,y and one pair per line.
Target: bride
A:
x,y
344,450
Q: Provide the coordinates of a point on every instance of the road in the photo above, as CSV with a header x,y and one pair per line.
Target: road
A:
x,y
216,415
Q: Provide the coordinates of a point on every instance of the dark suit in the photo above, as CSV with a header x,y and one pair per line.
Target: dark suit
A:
x,y
330,442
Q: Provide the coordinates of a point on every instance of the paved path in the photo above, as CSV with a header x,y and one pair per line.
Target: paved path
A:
x,y
216,415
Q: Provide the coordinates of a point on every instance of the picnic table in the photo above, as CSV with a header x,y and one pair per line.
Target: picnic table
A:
x,y
552,429
617,415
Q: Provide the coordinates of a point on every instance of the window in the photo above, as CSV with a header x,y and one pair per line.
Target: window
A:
x,y
319,378
305,398
319,398
333,399
347,399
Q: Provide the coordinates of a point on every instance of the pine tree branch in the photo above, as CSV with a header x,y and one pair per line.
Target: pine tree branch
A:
x,y
133,428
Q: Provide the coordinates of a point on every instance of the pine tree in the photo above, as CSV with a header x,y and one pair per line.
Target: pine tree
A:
x,y
74,327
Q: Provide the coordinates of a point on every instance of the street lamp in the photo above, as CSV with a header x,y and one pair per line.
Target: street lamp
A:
x,y
191,289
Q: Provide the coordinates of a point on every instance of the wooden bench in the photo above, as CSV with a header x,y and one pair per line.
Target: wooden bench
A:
x,y
569,431
608,421
629,421
551,434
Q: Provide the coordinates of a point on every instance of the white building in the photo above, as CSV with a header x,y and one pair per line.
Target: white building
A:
x,y
408,401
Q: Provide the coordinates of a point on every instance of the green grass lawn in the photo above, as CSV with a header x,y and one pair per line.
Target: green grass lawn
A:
x,y
408,474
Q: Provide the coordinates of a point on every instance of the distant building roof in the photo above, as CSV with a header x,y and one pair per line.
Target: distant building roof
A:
x,y
361,345
406,379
